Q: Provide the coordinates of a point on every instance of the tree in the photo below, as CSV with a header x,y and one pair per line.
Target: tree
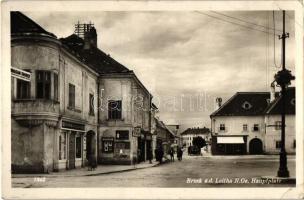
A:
x,y
199,142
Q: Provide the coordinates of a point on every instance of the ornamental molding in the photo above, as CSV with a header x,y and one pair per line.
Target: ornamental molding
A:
x,y
36,119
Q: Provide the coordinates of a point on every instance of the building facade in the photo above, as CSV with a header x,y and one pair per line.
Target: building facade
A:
x,y
249,122
78,104
190,133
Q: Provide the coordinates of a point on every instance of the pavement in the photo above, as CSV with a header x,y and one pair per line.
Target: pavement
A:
x,y
191,172
101,169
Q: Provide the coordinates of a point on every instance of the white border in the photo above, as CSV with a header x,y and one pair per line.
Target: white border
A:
x,y
150,193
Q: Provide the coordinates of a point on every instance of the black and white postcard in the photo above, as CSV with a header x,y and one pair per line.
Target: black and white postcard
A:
x,y
152,99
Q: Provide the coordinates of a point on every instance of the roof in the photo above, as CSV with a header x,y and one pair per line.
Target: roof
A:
x,y
21,24
162,125
94,57
276,106
255,103
235,106
196,131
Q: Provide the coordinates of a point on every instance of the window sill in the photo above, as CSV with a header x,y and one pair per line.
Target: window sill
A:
x,y
116,119
74,109
32,100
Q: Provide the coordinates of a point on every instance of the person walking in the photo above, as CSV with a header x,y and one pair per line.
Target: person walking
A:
x,y
179,153
171,152
150,156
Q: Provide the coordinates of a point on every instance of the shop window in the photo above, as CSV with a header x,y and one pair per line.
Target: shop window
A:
x,y
62,146
71,95
114,109
107,144
256,127
78,147
278,125
43,84
56,87
278,144
23,89
122,135
245,127
222,127
91,104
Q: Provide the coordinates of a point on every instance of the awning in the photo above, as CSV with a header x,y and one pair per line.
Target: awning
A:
x,y
230,140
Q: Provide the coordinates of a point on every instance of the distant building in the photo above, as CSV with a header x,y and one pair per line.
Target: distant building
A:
x,y
165,137
175,129
190,133
250,122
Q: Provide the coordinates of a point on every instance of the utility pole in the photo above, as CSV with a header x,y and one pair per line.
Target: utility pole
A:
x,y
283,79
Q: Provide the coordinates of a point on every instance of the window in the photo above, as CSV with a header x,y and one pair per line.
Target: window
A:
x,y
222,127
114,110
23,89
122,135
255,127
62,146
294,144
278,144
246,105
56,87
43,84
107,144
91,104
278,125
71,95
78,147
245,127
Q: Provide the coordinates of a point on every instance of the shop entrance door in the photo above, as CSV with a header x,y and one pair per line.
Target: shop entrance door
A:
x,y
72,150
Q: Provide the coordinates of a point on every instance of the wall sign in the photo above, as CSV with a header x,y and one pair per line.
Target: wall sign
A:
x,y
107,144
122,135
71,125
136,132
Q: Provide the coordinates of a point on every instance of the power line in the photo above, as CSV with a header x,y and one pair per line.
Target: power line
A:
x,y
248,27
245,21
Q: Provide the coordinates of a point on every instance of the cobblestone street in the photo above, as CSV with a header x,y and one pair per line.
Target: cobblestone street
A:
x,y
193,171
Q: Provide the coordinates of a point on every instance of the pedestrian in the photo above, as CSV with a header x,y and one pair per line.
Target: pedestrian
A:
x,y
150,156
92,162
161,154
138,155
156,153
179,153
171,152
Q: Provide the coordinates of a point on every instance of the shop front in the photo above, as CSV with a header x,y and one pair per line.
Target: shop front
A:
x,y
71,145
229,145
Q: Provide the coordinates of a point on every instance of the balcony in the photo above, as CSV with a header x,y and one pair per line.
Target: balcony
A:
x,y
31,112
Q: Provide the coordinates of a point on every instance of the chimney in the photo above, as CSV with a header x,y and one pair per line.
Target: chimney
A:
x,y
218,102
272,92
90,38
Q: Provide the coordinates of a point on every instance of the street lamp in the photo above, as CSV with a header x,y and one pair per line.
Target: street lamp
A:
x,y
283,79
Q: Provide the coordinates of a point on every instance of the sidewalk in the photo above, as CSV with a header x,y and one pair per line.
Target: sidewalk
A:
x,y
101,169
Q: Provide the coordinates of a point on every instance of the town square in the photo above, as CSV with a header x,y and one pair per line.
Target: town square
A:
x,y
187,99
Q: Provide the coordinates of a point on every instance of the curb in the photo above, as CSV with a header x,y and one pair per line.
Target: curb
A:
x,y
118,171
88,174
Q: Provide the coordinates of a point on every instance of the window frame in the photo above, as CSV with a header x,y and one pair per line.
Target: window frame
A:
x,y
60,149
20,94
256,126
245,125
115,114
76,147
278,125
56,86
91,104
222,127
46,82
72,96
278,144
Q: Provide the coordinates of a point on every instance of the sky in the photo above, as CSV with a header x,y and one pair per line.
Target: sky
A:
x,y
187,59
